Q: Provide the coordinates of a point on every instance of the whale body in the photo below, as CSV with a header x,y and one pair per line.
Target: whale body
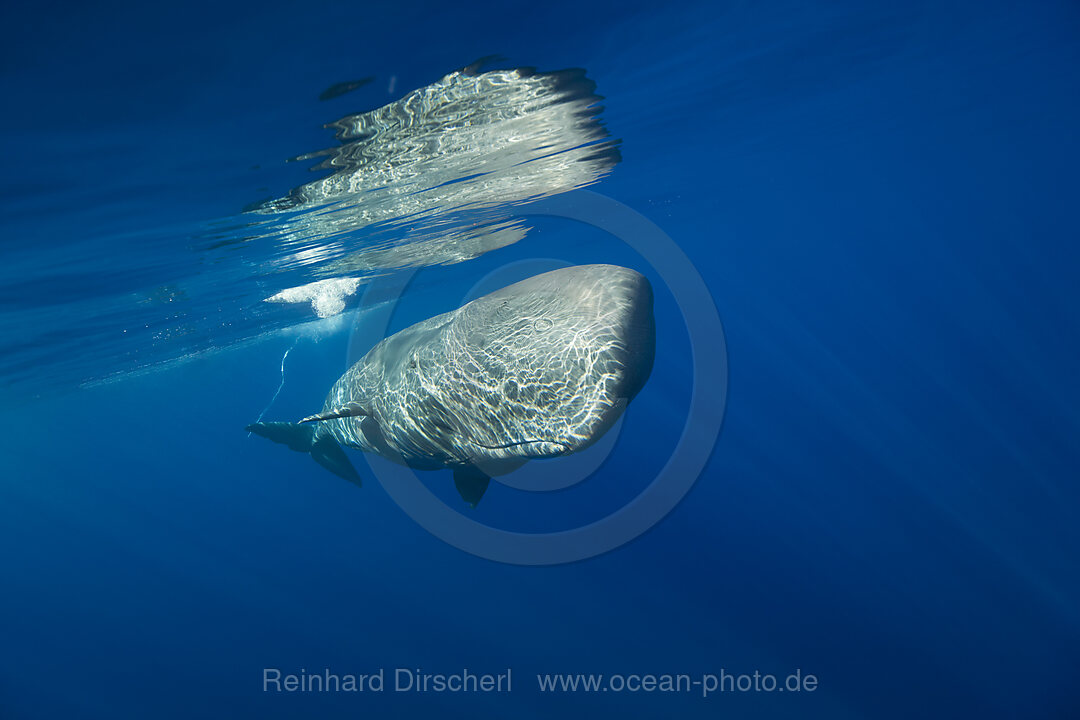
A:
x,y
539,369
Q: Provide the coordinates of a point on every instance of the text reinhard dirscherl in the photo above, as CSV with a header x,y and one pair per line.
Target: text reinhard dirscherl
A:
x,y
402,680
411,680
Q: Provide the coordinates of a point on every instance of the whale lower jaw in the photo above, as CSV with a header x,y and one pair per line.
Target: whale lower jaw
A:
x,y
531,448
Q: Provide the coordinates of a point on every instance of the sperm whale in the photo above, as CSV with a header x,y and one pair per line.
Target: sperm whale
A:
x,y
539,369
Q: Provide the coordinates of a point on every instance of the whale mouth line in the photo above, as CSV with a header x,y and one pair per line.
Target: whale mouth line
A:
x,y
505,446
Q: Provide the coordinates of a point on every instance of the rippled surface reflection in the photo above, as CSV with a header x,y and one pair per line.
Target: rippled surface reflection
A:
x,y
450,161
433,178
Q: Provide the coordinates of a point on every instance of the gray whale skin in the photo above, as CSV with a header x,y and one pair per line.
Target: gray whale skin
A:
x,y
539,369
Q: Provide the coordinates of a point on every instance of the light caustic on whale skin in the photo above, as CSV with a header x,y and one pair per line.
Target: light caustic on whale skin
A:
x,y
539,369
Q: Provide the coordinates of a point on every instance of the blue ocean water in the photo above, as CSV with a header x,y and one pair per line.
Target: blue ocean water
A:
x,y
879,197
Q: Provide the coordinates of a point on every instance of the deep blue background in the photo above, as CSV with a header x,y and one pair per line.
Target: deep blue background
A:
x,y
882,198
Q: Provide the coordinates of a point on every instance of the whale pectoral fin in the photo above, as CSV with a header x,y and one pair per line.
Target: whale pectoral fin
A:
x,y
471,484
326,451
297,437
353,409
322,446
